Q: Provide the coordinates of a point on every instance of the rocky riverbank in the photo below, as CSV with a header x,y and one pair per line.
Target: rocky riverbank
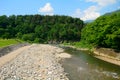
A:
x,y
38,62
108,55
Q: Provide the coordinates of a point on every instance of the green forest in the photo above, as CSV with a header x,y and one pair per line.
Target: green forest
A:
x,y
103,32
41,29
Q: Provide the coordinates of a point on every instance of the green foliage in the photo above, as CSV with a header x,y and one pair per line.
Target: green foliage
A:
x,y
80,44
37,40
37,28
83,45
104,31
28,37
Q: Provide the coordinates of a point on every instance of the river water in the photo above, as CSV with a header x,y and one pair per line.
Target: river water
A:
x,y
83,66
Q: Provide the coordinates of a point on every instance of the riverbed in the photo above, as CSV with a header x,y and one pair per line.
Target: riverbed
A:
x,y
84,66
50,62
33,62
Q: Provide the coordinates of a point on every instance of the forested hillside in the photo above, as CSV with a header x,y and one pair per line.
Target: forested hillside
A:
x,y
104,31
38,28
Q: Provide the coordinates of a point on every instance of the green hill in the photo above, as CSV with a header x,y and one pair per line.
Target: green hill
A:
x,y
40,29
104,31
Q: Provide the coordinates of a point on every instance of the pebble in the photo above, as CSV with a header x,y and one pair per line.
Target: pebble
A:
x,y
36,63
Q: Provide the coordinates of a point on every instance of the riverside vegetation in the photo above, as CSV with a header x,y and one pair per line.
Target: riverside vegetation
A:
x,y
103,32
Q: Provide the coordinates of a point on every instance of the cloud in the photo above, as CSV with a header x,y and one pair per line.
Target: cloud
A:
x,y
90,13
103,2
47,9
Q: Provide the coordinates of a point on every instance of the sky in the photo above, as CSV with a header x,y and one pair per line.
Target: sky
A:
x,y
83,9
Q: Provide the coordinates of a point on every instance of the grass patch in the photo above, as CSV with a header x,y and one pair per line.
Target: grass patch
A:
x,y
7,42
83,45
80,44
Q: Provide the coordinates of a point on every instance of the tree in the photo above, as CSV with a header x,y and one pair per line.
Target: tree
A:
x,y
43,28
104,31
28,37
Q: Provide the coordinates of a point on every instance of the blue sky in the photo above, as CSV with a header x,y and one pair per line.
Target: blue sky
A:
x,y
83,9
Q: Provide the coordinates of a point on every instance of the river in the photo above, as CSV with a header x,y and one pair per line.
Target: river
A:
x,y
83,66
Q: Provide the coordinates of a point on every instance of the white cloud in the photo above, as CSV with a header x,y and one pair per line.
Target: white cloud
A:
x,y
90,13
47,9
103,2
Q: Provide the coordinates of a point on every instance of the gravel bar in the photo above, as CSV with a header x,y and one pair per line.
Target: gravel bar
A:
x,y
38,62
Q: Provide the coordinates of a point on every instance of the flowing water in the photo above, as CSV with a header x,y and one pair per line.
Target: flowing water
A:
x,y
83,66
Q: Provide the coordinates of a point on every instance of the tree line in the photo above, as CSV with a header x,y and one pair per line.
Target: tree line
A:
x,y
41,29
103,32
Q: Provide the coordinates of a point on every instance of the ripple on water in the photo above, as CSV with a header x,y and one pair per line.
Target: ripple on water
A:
x,y
82,66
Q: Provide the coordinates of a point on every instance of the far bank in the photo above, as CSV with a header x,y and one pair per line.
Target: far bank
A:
x,y
105,54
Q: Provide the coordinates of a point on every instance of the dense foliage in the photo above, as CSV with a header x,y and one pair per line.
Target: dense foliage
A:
x,y
104,31
38,28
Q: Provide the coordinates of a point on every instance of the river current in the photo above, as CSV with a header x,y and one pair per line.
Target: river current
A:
x,y
83,66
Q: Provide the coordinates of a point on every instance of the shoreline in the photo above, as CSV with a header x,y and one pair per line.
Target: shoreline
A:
x,y
107,58
99,55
